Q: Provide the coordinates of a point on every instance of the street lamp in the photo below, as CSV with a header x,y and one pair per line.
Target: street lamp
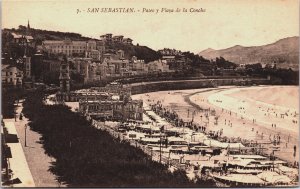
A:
x,y
15,110
25,134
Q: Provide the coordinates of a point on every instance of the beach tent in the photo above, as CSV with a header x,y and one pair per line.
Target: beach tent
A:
x,y
150,140
274,178
255,157
241,179
215,143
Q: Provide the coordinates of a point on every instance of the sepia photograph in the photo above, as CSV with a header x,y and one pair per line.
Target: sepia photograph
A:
x,y
150,93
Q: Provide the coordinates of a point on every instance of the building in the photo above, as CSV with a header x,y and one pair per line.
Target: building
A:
x,y
112,102
107,38
121,67
90,69
94,54
178,62
22,39
127,41
64,82
27,67
117,39
37,66
69,48
113,109
11,76
52,65
117,64
137,66
158,66
100,46
168,52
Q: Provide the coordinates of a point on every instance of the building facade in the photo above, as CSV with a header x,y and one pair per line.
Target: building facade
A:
x,y
11,76
68,47
113,110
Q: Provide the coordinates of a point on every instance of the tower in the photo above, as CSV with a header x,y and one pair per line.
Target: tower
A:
x,y
28,30
27,66
28,26
64,77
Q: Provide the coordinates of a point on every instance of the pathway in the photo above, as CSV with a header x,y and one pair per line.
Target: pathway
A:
x,y
38,161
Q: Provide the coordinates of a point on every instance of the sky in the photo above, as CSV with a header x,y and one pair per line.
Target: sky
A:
x,y
224,23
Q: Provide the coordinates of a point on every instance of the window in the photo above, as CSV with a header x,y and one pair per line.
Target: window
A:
x,y
10,73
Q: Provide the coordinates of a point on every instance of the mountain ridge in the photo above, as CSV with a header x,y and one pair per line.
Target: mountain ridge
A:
x,y
284,52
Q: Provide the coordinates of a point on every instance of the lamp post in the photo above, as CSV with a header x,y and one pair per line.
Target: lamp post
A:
x,y
160,147
25,134
15,110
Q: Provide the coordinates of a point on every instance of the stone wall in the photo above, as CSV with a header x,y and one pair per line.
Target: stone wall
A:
x,y
144,87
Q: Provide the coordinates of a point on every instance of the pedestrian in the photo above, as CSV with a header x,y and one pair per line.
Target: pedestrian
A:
x,y
21,116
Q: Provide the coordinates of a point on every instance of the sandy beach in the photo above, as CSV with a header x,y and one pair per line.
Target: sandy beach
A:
x,y
245,112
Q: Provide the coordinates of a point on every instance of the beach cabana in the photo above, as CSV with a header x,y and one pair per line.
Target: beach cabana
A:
x,y
274,178
240,180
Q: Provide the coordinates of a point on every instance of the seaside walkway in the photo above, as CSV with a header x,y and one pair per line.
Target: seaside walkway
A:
x,y
18,163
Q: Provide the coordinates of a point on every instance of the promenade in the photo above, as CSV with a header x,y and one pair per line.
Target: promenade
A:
x,y
18,163
38,161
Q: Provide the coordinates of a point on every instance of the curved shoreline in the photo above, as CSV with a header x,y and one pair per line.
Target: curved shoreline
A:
x,y
245,128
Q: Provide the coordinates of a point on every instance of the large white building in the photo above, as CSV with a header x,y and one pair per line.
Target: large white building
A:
x,y
158,66
72,48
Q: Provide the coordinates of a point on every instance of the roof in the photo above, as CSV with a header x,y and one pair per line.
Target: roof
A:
x,y
5,66
241,178
273,177
64,42
127,39
150,139
175,139
240,162
118,36
196,158
215,143
18,36
151,127
288,169
28,37
249,156
168,57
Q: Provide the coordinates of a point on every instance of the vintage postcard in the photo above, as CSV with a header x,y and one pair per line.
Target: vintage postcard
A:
x,y
150,93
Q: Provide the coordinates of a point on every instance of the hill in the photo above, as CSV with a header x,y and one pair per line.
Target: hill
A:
x,y
285,52
141,52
